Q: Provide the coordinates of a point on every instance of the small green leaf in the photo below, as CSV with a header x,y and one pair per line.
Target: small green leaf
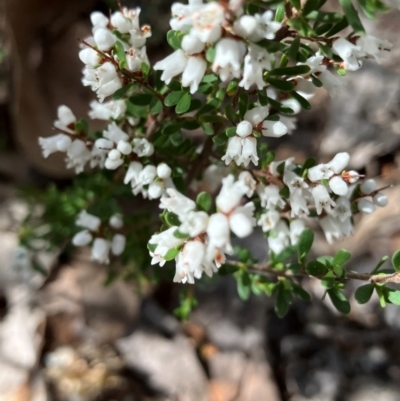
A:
x,y
172,253
210,54
363,294
172,219
304,244
230,132
145,68
296,4
243,284
151,247
204,201
232,88
341,257
316,269
284,86
174,39
210,78
184,104
310,5
220,139
141,99
281,302
280,12
120,93
329,280
393,296
380,264
180,235
352,16
155,106
176,138
280,107
396,260
82,126
303,102
120,51
173,98
243,103
226,269
339,300
285,254
290,71
294,48
339,26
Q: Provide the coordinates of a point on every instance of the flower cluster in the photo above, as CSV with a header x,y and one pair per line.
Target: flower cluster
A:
x,y
93,233
101,52
199,242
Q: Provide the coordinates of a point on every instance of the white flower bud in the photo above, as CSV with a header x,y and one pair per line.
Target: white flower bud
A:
x,y
274,129
156,189
88,221
100,250
142,147
115,134
82,238
104,39
245,26
338,186
247,178
368,186
244,129
98,19
124,147
353,176
163,171
240,224
63,143
103,144
89,57
133,172
116,221
120,22
191,44
339,162
296,228
114,155
365,206
148,174
118,244
322,199
218,230
109,88
380,200
113,164
65,116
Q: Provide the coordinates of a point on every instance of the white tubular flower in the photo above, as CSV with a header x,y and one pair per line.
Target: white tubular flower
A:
x,y
115,134
104,39
98,20
142,147
366,206
105,111
255,62
207,22
148,174
82,238
304,87
55,143
194,73
182,14
294,182
256,115
374,47
120,22
87,220
247,178
172,65
380,200
229,54
269,220
339,162
298,203
118,244
132,174
164,241
296,228
269,196
218,232
331,228
289,122
266,27
100,250
113,160
191,44
194,223
330,81
249,152
368,186
338,186
230,195
319,172
322,199
342,209
189,262
156,189
89,57
241,221
124,147
177,203
135,58
349,53
245,26
116,221
233,150
78,155
274,129
164,171
66,119
279,239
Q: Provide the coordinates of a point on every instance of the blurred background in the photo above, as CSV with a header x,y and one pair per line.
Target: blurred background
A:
x,y
77,340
